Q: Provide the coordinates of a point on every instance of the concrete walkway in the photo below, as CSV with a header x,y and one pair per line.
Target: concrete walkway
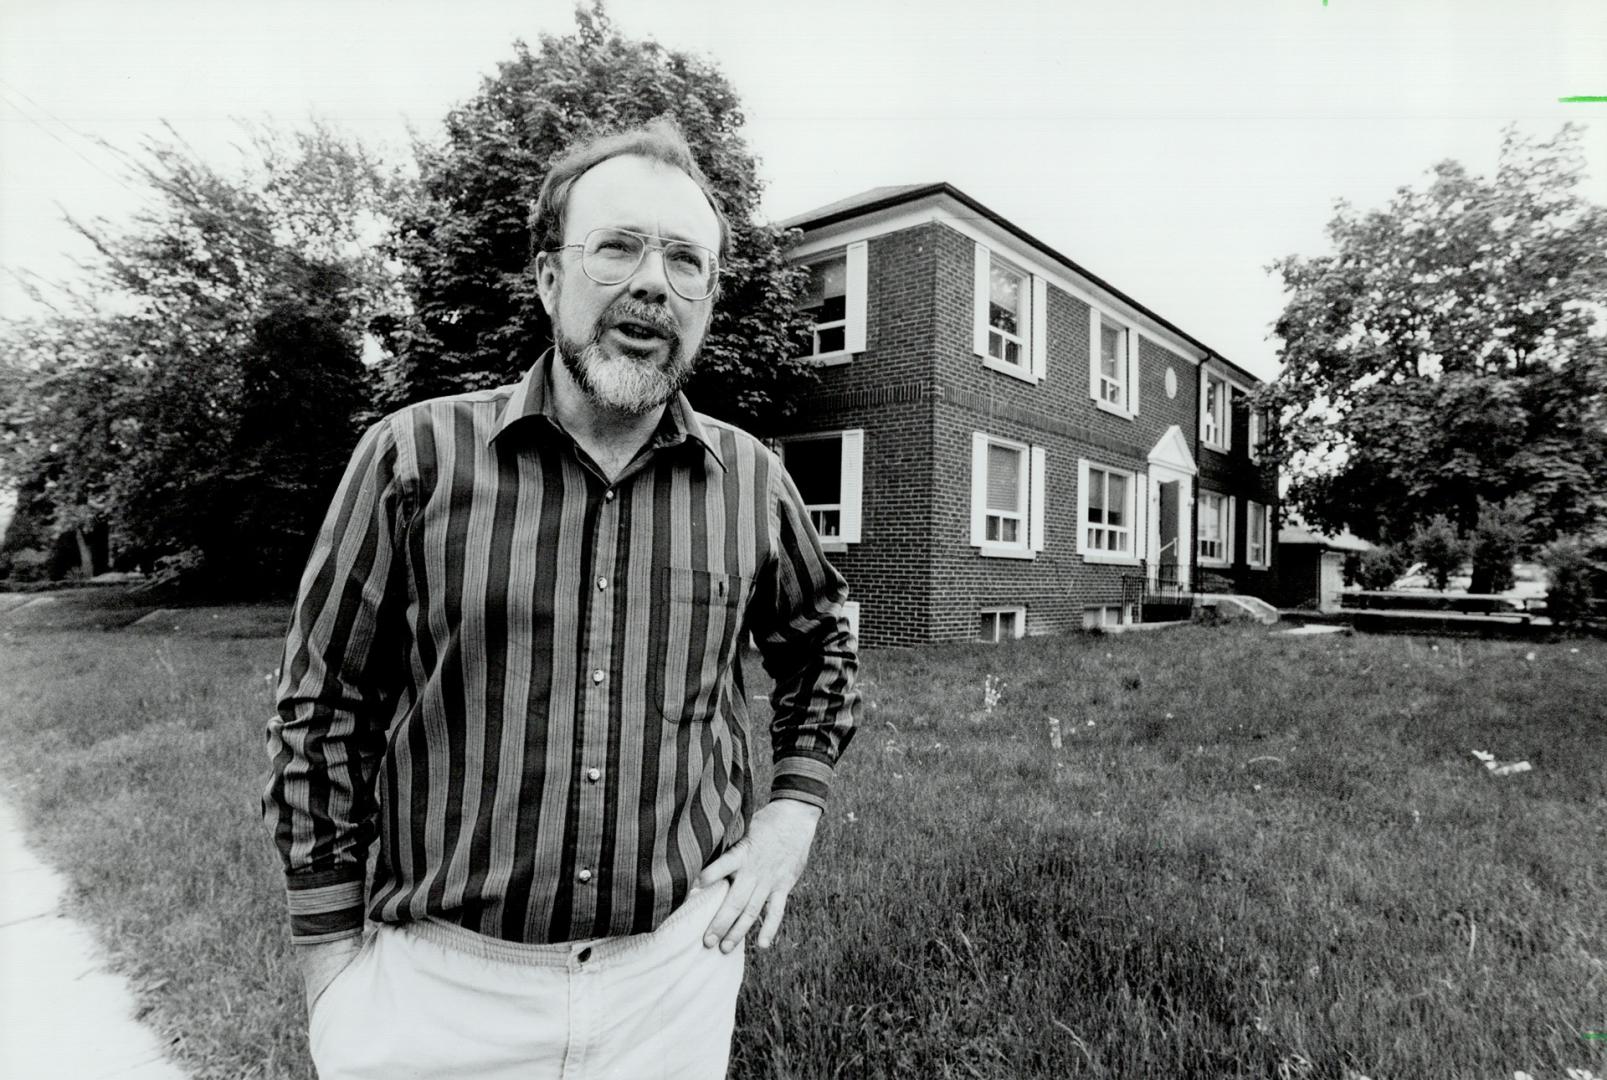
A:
x,y
62,1016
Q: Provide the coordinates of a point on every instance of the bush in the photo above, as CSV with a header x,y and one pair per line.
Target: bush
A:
x,y
1376,568
1494,545
1571,576
1440,549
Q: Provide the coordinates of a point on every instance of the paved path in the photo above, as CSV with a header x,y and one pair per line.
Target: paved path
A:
x,y
62,1016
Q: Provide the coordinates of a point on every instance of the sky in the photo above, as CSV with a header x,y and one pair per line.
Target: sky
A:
x,y
1172,148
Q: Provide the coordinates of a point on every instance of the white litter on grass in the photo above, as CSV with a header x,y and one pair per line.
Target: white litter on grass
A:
x,y
1054,733
1499,768
1529,656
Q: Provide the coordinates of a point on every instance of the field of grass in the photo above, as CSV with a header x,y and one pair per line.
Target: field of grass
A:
x,y
1252,856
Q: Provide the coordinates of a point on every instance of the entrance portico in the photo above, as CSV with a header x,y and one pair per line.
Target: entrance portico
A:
x,y
1171,509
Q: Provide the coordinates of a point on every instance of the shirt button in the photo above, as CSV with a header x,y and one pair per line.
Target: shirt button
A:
x,y
609,494
597,676
594,775
602,583
584,876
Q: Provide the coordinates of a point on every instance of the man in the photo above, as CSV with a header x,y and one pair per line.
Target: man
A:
x,y
514,663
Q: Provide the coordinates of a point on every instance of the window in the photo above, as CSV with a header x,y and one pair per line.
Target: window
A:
x,y
1103,615
828,472
1006,500
826,303
1011,320
1113,364
1007,311
835,301
1215,416
1007,496
1109,525
1257,534
1216,529
1002,623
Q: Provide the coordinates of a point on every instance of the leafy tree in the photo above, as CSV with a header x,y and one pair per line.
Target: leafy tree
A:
x,y
1448,351
1437,546
1495,544
198,391
1573,573
1377,567
466,241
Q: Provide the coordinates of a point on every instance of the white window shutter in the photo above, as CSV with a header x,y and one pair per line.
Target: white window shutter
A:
x,y
1093,354
1040,327
979,487
1082,505
1036,494
1227,417
1140,516
1205,397
1132,370
851,492
854,331
979,335
1229,541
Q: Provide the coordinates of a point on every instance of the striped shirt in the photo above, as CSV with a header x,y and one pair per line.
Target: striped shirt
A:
x,y
524,680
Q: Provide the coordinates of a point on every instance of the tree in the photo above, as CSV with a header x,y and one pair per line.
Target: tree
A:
x,y
1437,546
1448,351
200,391
467,241
1494,545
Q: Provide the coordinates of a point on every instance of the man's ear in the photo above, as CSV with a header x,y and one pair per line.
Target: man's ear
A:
x,y
547,279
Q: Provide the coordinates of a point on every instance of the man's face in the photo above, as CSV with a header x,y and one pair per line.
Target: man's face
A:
x,y
629,346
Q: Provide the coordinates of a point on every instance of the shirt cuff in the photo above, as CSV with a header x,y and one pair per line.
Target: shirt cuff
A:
x,y
807,779
324,908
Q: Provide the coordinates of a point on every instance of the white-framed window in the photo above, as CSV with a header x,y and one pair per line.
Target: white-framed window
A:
x,y
1216,529
834,299
1009,293
828,470
1108,505
1257,434
1257,534
1216,412
1113,364
1011,317
1099,616
1007,496
1002,623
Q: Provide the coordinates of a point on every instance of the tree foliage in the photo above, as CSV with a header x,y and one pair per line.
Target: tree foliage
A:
x,y
1494,545
202,390
466,241
1449,352
1437,545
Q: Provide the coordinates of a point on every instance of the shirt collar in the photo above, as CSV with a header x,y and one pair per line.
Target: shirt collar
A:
x,y
531,400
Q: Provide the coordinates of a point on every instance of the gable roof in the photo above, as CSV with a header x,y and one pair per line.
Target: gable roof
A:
x,y
883,198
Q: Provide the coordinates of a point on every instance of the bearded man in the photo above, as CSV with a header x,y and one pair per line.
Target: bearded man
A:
x,y
512,683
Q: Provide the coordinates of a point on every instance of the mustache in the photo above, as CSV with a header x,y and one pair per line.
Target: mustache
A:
x,y
630,310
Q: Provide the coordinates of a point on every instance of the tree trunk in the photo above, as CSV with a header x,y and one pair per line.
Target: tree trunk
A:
x,y
86,554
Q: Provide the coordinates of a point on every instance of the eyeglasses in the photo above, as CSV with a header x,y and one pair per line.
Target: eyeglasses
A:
x,y
609,256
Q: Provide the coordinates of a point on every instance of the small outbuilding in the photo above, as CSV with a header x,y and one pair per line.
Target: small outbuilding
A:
x,y
1311,566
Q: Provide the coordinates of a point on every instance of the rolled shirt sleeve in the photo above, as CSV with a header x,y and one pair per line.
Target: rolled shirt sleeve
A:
x,y
808,649
342,670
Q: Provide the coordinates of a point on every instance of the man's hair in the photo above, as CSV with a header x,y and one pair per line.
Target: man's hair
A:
x,y
658,140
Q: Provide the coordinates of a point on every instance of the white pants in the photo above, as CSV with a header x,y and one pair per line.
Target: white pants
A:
x,y
431,1000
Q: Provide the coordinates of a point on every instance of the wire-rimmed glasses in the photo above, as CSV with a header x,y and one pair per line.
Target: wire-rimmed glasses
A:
x,y
608,256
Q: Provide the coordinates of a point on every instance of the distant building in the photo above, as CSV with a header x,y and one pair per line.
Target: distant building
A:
x,y
1311,566
1000,438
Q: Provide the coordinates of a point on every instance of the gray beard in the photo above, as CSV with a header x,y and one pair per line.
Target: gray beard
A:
x,y
619,383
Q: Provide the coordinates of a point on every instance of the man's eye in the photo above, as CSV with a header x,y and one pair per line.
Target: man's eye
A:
x,y
688,259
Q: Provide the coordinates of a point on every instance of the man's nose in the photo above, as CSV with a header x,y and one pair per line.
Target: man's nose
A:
x,y
651,283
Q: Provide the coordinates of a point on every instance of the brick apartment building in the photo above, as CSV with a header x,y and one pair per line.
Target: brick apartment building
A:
x,y
1000,438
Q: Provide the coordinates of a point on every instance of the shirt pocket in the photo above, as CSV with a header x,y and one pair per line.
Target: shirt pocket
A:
x,y
702,627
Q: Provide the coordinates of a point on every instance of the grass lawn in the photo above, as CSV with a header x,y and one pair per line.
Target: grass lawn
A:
x,y
1252,856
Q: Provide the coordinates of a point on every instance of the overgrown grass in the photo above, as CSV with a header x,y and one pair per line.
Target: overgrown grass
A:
x,y
1253,856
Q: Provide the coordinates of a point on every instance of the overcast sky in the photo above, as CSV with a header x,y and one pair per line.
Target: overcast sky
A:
x,y
1173,148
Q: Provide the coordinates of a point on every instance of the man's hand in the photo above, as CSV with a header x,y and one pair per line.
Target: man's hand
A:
x,y
322,962
763,867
